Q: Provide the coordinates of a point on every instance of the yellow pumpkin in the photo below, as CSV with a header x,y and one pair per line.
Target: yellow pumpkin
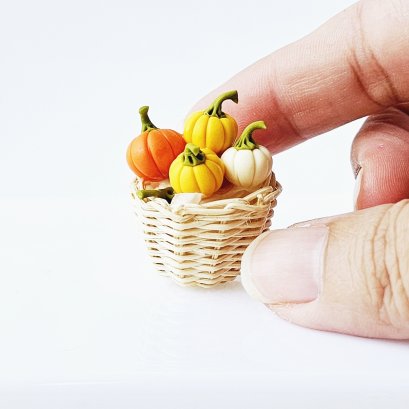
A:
x,y
196,171
212,128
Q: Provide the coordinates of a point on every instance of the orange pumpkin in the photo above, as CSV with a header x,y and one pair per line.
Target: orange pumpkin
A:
x,y
151,153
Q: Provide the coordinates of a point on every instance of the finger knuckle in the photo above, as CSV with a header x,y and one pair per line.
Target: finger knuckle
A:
x,y
366,58
388,272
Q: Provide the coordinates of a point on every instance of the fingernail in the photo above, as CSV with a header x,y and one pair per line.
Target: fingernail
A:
x,y
284,266
357,188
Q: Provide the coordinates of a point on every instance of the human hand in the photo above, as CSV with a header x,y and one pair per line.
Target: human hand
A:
x,y
347,273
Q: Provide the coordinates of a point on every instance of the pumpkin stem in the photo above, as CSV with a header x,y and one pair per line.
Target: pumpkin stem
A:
x,y
167,194
193,156
215,109
246,140
147,124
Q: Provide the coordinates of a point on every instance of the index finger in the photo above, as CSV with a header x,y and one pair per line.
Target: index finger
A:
x,y
355,65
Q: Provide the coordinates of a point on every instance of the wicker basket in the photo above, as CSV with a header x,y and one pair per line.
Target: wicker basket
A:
x,y
202,244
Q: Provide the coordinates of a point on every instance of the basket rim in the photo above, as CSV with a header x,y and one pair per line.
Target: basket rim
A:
x,y
270,192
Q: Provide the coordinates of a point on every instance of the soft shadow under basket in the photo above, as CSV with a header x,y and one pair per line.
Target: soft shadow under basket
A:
x,y
202,244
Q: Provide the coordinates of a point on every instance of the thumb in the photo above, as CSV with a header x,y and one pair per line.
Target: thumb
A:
x,y
347,274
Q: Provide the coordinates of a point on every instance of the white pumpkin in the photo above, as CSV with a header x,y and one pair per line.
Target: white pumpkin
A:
x,y
247,164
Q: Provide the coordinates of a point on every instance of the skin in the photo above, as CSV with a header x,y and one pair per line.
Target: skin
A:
x,y
355,65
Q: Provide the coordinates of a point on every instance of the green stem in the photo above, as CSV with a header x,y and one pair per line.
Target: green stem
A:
x,y
215,109
246,140
166,194
193,156
147,124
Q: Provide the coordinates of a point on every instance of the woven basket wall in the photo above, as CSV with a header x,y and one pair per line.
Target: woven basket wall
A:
x,y
202,244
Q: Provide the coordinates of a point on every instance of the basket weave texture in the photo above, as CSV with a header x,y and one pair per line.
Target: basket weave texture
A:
x,y
202,244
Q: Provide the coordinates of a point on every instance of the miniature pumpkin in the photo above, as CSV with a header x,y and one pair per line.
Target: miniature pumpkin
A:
x,y
247,164
196,171
151,153
212,128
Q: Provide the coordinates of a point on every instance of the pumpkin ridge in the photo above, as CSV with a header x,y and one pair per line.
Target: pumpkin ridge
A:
x,y
130,160
225,139
217,146
255,168
164,134
152,156
178,137
164,140
216,185
189,125
141,174
215,164
193,179
233,165
176,178
138,144
197,132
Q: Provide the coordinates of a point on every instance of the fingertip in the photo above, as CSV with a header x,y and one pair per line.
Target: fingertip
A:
x,y
246,270
285,266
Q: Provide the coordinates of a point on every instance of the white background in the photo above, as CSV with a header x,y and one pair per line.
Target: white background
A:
x,y
84,321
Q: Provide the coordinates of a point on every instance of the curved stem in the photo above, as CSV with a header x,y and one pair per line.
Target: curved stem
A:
x,y
193,156
166,194
215,109
147,124
246,140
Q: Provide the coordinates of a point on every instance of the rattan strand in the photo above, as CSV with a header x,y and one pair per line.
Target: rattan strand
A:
x,y
202,245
